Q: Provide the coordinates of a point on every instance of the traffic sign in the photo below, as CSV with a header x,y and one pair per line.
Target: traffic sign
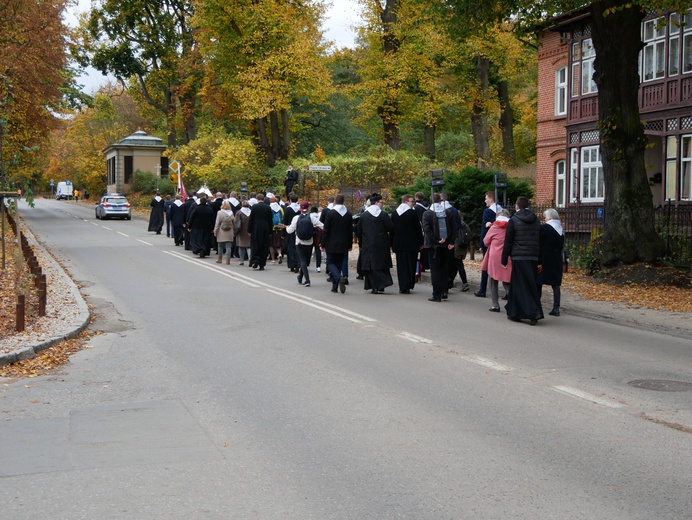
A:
x,y
175,166
318,168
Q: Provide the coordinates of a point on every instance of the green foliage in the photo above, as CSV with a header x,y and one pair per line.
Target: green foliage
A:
x,y
148,183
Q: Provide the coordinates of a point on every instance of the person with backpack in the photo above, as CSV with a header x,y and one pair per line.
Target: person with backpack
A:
x,y
223,231
276,239
461,249
303,226
439,232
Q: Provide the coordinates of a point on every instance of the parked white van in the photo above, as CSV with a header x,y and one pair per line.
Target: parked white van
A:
x,y
64,190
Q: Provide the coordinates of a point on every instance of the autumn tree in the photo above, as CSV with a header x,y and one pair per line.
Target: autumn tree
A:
x,y
264,56
32,72
152,43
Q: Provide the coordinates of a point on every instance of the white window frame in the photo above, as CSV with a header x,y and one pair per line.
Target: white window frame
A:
x,y
561,91
671,168
685,183
560,183
674,45
653,55
592,185
686,67
588,54
574,174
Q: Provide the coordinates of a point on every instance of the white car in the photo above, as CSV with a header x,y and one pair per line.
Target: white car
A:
x,y
112,206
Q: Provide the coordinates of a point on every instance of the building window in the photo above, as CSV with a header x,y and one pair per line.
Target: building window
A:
x,y
592,186
671,167
687,44
588,53
654,52
560,183
129,172
574,174
686,168
674,45
561,91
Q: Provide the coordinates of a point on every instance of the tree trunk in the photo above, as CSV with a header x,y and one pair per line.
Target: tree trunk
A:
x,y
629,226
286,136
276,137
263,142
429,141
506,122
170,119
479,117
389,110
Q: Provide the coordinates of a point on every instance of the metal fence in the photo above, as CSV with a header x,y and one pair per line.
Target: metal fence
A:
x,y
673,223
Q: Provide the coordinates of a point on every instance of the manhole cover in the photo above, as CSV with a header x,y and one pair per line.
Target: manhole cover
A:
x,y
661,385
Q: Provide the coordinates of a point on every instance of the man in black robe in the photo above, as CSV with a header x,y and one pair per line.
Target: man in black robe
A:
x,y
374,239
290,180
260,227
201,228
156,215
188,207
176,219
407,240
439,232
420,207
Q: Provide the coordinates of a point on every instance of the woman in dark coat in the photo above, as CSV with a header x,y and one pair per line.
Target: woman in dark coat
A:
x,y
407,240
374,240
551,259
156,215
201,227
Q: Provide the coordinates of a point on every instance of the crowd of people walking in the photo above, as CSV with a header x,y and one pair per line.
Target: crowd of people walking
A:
x,y
518,251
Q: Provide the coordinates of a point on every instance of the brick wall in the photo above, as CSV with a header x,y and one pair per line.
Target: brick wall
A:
x,y
550,131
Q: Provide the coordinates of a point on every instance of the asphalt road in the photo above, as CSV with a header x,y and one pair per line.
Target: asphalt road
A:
x,y
218,391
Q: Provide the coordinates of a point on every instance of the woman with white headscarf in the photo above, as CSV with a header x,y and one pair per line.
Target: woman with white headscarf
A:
x,y
551,259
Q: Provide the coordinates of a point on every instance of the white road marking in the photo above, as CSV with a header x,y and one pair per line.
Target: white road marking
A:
x,y
586,396
109,229
310,304
488,363
414,338
123,234
318,304
145,243
93,223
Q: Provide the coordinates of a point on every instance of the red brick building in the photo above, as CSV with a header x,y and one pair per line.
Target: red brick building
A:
x,y
568,160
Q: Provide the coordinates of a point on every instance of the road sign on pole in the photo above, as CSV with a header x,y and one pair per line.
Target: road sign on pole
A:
x,y
318,168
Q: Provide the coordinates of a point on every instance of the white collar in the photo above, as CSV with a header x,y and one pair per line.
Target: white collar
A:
x,y
233,201
340,209
275,206
374,210
403,208
556,225
252,201
295,207
438,207
157,198
245,210
177,202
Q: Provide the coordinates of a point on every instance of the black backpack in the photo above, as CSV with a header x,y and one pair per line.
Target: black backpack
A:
x,y
464,236
305,228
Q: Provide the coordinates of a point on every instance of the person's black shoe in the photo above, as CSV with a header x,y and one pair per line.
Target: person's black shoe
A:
x,y
479,294
359,277
494,309
533,321
555,311
406,291
300,279
513,319
445,296
261,268
374,291
505,297
345,279
342,286
433,299
334,289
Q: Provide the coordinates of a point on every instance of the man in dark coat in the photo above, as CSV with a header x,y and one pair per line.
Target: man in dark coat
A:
x,y
337,241
420,207
523,244
201,225
156,215
260,227
175,211
188,207
489,215
407,241
374,239
167,213
290,211
439,232
290,180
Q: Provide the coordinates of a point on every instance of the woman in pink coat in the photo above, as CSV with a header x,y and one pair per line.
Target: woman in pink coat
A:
x,y
494,240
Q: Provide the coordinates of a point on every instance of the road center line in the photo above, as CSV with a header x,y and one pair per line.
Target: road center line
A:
x,y
109,229
310,304
414,338
123,234
143,242
488,363
319,304
586,396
